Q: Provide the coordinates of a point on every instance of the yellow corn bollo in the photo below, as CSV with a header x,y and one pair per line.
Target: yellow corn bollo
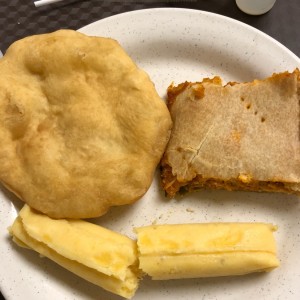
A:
x,y
101,256
206,250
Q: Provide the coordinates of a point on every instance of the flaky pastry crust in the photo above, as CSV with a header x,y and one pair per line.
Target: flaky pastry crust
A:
x,y
242,136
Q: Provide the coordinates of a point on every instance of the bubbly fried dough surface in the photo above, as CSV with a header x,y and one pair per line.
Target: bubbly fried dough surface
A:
x,y
82,128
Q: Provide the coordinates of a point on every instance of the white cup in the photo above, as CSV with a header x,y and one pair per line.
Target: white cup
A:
x,y
255,7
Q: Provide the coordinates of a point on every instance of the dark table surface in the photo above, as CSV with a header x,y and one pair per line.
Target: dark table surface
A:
x,y
20,18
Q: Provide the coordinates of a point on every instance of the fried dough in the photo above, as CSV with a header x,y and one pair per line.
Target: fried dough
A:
x,y
82,128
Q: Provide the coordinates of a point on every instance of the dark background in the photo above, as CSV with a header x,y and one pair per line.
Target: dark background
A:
x,y
20,18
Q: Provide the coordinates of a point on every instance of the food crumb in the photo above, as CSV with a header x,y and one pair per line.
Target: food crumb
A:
x,y
190,210
154,222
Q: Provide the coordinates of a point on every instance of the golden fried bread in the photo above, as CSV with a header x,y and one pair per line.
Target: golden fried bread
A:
x,y
242,136
82,128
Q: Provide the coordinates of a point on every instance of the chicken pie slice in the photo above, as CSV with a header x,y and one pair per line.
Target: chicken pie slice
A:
x,y
241,136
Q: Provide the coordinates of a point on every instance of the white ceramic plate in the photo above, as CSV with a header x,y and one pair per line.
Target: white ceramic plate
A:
x,y
176,45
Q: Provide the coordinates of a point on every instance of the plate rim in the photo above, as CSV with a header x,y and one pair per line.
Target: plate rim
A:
x,y
195,11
